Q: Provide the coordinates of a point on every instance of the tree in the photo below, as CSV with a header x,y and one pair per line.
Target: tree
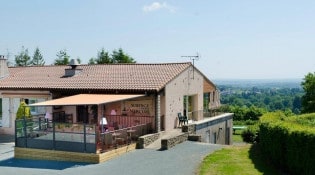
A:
x,y
308,99
62,58
92,61
103,57
37,58
23,111
120,57
23,59
297,105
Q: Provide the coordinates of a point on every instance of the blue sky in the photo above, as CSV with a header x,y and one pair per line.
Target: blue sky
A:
x,y
236,39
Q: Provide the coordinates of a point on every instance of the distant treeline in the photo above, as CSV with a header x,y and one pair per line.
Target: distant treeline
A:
x,y
268,98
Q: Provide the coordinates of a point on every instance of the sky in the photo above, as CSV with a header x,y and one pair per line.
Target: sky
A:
x,y
235,39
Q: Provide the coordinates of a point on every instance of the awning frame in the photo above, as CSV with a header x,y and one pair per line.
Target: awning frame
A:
x,y
87,99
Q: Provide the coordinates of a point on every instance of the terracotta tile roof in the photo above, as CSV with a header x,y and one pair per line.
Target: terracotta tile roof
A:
x,y
151,77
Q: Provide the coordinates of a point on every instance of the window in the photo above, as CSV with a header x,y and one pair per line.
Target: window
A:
x,y
32,108
206,101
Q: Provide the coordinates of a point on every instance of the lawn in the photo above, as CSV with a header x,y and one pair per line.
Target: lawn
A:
x,y
237,136
237,159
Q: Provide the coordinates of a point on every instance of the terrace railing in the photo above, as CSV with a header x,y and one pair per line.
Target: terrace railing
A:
x,y
42,134
90,138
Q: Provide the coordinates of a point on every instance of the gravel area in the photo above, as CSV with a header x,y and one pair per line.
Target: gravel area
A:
x,y
183,159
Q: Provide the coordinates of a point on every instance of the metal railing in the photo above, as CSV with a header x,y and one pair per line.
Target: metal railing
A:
x,y
40,133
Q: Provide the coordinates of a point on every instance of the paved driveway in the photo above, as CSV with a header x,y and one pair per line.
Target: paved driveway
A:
x,y
183,159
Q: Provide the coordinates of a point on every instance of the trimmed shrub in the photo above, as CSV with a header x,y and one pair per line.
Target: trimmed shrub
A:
x,y
289,142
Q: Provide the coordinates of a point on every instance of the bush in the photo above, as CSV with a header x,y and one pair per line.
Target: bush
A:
x,y
288,142
245,122
23,111
250,134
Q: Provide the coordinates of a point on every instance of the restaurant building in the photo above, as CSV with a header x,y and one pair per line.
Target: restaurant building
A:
x,y
95,102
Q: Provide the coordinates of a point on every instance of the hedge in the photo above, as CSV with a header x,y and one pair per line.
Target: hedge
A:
x,y
289,142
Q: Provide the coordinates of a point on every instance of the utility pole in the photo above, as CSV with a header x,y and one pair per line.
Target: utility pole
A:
x,y
193,58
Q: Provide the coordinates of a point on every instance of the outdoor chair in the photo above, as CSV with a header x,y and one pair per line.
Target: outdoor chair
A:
x,y
182,119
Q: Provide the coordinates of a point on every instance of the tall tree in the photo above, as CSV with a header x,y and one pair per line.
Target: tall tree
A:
x,y
308,99
62,58
23,59
37,58
103,57
92,61
120,57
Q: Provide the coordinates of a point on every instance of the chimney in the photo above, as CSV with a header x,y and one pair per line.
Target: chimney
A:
x,y
73,70
4,70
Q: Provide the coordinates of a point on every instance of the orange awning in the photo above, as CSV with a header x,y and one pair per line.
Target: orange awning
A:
x,y
85,99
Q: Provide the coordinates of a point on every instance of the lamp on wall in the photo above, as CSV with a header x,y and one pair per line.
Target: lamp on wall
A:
x,y
103,122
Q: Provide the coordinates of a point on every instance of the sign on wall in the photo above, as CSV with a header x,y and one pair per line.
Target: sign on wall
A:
x,y
139,108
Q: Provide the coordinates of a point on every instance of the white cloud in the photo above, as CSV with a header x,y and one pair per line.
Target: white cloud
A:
x,y
158,6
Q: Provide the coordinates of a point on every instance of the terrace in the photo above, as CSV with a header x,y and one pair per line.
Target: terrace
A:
x,y
39,133
93,133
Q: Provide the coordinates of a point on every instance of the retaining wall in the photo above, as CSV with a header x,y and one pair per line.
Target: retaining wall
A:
x,y
146,140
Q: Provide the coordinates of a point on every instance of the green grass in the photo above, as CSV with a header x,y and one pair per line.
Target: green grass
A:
x,y
235,160
237,136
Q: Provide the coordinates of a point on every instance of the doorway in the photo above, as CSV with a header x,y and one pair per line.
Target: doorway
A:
x,y
82,114
190,104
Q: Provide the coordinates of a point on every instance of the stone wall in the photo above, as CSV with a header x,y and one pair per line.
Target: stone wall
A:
x,y
191,129
147,140
171,142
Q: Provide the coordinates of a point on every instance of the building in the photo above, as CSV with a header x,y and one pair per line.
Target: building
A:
x,y
125,94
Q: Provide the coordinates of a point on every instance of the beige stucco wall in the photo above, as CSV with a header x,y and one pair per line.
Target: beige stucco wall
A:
x,y
187,83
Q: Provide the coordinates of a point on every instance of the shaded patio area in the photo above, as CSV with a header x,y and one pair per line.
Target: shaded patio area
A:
x,y
91,135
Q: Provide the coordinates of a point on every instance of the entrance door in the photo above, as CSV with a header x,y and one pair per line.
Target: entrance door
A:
x,y
82,114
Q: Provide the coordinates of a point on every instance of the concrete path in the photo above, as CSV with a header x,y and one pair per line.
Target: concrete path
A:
x,y
183,159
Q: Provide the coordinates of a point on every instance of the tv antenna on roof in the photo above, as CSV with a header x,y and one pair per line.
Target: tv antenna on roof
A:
x,y
193,58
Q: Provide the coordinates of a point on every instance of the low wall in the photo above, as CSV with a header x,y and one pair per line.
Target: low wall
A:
x,y
146,140
216,130
41,154
172,141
